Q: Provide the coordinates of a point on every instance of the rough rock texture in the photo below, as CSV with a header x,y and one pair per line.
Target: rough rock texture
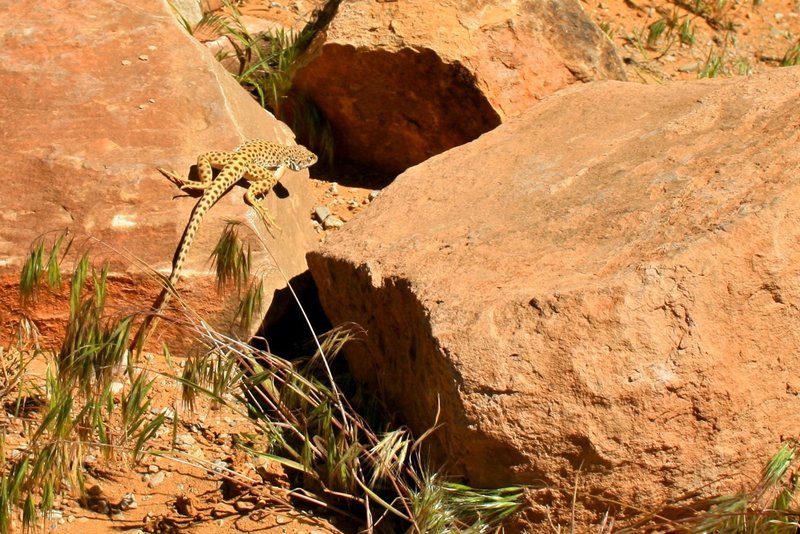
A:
x,y
96,96
607,283
403,81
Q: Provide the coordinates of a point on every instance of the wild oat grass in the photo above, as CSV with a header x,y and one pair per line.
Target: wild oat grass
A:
x,y
297,413
79,411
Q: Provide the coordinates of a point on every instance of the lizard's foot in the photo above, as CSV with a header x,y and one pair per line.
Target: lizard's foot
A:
x,y
269,222
184,184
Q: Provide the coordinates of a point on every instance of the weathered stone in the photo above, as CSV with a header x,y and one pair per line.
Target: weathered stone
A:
x,y
322,213
621,310
403,81
332,222
156,479
85,124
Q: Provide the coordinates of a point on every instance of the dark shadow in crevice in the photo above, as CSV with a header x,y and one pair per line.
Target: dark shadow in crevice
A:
x,y
352,175
284,331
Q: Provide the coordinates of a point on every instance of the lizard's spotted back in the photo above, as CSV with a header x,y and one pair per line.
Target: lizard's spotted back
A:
x,y
271,156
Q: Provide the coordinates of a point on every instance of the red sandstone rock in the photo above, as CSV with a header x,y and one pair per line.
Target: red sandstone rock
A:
x,y
605,288
95,96
403,81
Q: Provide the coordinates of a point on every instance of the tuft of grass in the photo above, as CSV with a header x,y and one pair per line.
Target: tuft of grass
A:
x,y
671,28
742,66
714,12
769,507
686,33
231,258
93,346
792,56
13,368
36,270
655,31
442,507
249,306
714,65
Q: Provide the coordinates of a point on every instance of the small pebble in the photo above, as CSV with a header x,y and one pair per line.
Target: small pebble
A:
x,y
374,194
689,67
153,468
185,439
55,515
157,479
128,502
332,222
322,213
144,57
220,466
334,190
126,62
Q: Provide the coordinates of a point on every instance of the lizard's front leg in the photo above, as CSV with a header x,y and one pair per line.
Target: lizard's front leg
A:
x,y
261,181
205,164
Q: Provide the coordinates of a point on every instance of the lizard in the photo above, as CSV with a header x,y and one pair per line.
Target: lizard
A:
x,y
261,163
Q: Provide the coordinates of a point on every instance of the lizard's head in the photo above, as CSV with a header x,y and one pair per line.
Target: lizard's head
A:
x,y
300,157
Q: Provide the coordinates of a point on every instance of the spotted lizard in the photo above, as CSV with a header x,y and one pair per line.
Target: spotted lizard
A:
x,y
262,163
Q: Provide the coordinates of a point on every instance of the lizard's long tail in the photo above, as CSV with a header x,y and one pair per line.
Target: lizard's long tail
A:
x,y
151,321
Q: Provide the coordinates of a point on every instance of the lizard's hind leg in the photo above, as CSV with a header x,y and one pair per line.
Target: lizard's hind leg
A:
x,y
205,164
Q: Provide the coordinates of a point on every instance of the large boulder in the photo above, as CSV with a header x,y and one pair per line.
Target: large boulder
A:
x,y
604,289
96,96
403,81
